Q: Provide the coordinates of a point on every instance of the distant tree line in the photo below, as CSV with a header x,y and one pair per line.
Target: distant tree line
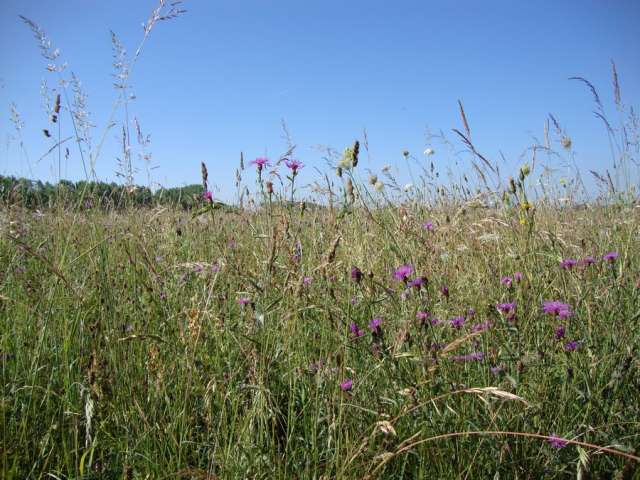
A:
x,y
35,194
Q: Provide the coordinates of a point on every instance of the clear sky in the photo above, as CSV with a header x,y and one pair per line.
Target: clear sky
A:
x,y
220,79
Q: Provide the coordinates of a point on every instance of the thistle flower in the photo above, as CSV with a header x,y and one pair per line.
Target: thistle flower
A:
x,y
610,256
260,163
571,346
554,307
517,277
374,325
568,263
557,442
506,307
403,272
355,330
506,281
457,322
244,301
417,282
589,260
428,226
346,385
559,332
294,165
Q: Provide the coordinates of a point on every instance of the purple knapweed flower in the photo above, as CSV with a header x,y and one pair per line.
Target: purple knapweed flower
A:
x,y
422,316
589,260
571,346
417,282
444,290
307,280
294,165
355,330
568,263
244,301
559,332
495,370
480,327
428,226
435,321
457,322
473,356
517,277
356,274
374,324
506,307
260,162
557,442
610,256
403,272
554,307
208,196
346,385
506,281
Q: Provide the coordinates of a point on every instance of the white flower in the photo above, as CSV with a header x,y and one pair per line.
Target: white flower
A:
x,y
429,151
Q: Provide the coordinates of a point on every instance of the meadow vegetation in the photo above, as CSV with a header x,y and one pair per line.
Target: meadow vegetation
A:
x,y
469,325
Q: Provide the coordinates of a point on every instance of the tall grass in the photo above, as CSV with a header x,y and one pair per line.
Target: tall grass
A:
x,y
367,330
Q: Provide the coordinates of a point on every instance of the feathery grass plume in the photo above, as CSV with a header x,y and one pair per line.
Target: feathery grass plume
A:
x,y
356,152
616,84
205,176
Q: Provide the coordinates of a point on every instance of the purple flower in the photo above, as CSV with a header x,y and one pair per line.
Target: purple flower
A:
x,y
480,327
571,346
495,370
346,385
507,281
457,322
294,165
208,196
403,272
471,313
474,356
356,274
506,307
307,280
568,263
243,301
417,282
428,226
232,244
422,316
353,301
554,307
445,291
260,162
353,328
559,332
517,277
557,442
374,324
589,260
610,256
435,321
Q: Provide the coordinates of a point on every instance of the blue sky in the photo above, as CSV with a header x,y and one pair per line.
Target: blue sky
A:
x,y
221,78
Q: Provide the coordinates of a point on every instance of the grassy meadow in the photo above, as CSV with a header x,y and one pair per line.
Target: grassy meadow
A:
x,y
242,344
467,325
